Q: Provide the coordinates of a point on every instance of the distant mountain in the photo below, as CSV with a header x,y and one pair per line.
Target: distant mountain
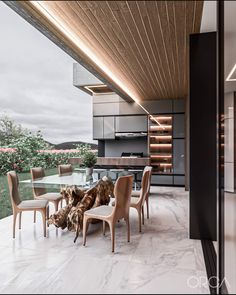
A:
x,y
71,145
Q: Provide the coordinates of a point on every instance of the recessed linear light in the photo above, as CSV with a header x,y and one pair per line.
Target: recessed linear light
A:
x,y
96,86
228,79
78,42
98,89
93,86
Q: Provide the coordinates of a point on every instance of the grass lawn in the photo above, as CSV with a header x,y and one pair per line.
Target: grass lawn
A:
x,y
25,192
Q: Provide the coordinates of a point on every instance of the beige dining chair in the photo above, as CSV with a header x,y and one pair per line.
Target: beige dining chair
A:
x,y
111,215
19,206
138,203
65,169
136,194
40,193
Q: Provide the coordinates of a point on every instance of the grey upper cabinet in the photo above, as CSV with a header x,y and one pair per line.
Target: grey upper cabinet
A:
x,y
131,124
158,106
109,128
130,109
98,128
178,126
106,109
116,108
178,156
178,106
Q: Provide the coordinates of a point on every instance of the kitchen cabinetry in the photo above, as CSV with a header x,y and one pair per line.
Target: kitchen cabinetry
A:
x,y
178,126
178,156
98,128
109,128
103,128
166,149
131,124
160,143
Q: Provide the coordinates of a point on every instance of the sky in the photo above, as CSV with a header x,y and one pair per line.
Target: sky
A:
x,y
36,83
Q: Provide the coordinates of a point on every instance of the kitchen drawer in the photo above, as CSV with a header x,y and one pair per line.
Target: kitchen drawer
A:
x,y
162,179
179,180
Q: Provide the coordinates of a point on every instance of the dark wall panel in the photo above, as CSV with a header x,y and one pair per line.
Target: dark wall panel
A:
x,y
114,148
203,156
101,148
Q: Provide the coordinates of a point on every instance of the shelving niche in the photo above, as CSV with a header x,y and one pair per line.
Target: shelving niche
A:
x,y
160,136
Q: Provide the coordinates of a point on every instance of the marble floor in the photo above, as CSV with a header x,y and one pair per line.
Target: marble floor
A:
x,y
230,241
159,260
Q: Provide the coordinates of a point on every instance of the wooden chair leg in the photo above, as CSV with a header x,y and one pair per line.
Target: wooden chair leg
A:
x,y
20,220
142,215
139,221
14,224
56,204
44,217
128,228
35,216
103,227
87,226
48,215
48,212
147,203
112,230
84,230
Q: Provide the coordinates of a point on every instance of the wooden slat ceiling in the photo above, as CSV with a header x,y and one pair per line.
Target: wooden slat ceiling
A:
x,y
143,44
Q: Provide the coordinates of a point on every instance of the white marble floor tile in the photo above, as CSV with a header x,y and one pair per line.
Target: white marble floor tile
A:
x,y
161,259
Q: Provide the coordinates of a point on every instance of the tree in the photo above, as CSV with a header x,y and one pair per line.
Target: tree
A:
x,y
82,148
10,131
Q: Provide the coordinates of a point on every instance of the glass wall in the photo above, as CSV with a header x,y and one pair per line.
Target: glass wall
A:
x,y
229,145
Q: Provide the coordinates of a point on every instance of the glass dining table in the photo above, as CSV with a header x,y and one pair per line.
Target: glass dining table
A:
x,y
56,181
78,178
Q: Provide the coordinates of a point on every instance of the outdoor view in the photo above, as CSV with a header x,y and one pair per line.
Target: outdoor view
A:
x,y
44,119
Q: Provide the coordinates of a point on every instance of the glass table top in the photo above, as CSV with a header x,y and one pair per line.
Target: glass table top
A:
x,y
78,178
56,181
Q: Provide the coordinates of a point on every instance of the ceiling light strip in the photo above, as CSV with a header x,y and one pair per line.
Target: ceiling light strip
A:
x,y
86,50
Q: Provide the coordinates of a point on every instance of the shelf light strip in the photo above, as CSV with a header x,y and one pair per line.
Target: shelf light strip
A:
x,y
159,156
161,136
39,5
163,118
163,126
160,145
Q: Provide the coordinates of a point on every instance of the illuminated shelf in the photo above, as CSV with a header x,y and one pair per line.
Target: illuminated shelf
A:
x,y
162,127
161,137
160,144
161,164
160,118
160,156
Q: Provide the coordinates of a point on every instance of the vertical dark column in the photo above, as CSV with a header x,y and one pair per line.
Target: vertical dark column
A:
x,y
203,136
220,100
187,143
101,148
